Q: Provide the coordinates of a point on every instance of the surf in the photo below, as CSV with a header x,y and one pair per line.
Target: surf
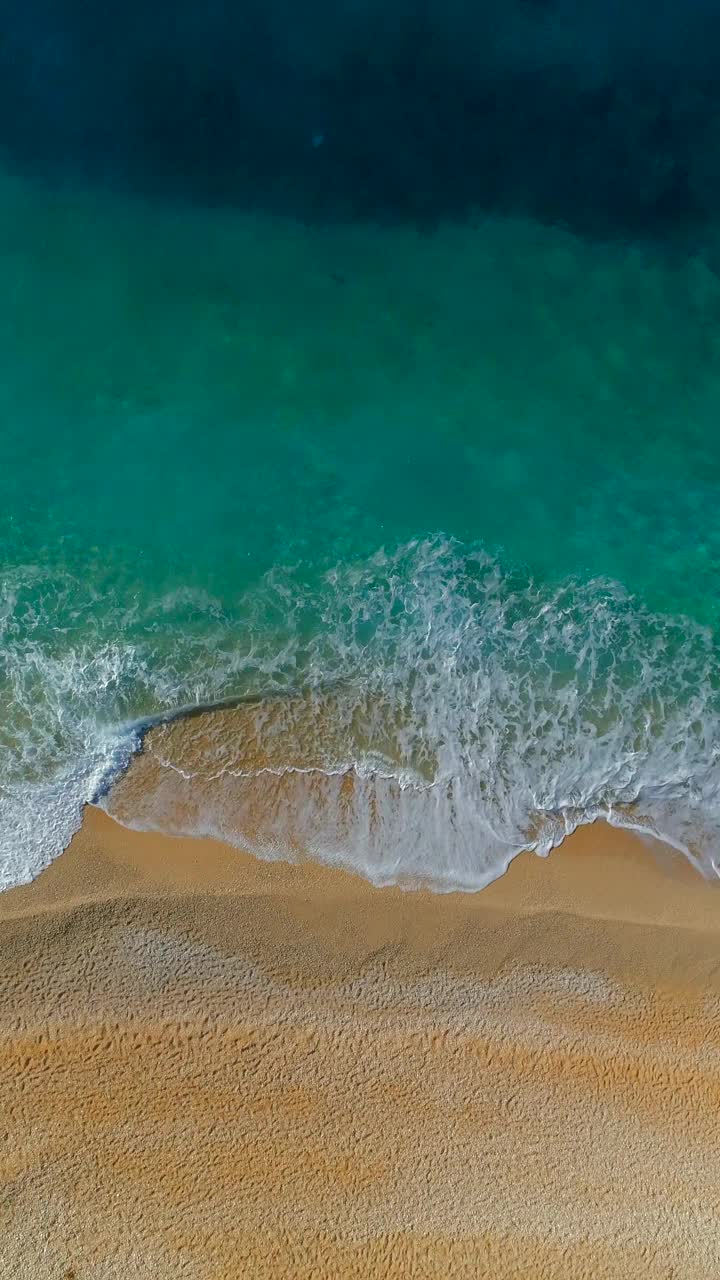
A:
x,y
420,716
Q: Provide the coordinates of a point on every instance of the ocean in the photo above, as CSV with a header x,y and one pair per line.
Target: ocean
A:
x,y
431,512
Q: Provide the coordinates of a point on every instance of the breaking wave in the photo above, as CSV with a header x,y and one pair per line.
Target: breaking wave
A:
x,y
420,716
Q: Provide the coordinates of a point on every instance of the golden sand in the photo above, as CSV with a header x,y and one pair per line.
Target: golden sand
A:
x,y
215,1067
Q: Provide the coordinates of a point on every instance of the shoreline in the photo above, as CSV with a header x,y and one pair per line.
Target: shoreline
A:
x,y
153,863
284,777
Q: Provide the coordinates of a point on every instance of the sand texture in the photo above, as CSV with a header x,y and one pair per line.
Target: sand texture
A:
x,y
214,1067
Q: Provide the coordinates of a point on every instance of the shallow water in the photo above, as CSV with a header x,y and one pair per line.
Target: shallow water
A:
x,y
468,478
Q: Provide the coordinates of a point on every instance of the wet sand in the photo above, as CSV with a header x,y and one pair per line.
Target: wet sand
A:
x,y
217,1067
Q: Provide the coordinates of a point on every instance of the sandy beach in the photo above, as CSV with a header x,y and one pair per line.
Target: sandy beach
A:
x,y
218,1067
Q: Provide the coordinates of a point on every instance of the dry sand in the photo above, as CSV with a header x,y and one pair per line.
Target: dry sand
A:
x,y
214,1067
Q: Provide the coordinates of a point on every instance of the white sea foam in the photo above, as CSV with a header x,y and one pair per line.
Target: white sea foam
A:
x,y
79,675
430,715
452,715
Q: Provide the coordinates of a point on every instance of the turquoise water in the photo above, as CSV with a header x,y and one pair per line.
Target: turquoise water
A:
x,y
469,477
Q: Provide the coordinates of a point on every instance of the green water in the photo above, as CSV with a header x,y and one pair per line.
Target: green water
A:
x,y
192,400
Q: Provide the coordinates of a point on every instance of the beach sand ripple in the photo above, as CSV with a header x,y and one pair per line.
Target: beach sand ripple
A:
x,y
215,1067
